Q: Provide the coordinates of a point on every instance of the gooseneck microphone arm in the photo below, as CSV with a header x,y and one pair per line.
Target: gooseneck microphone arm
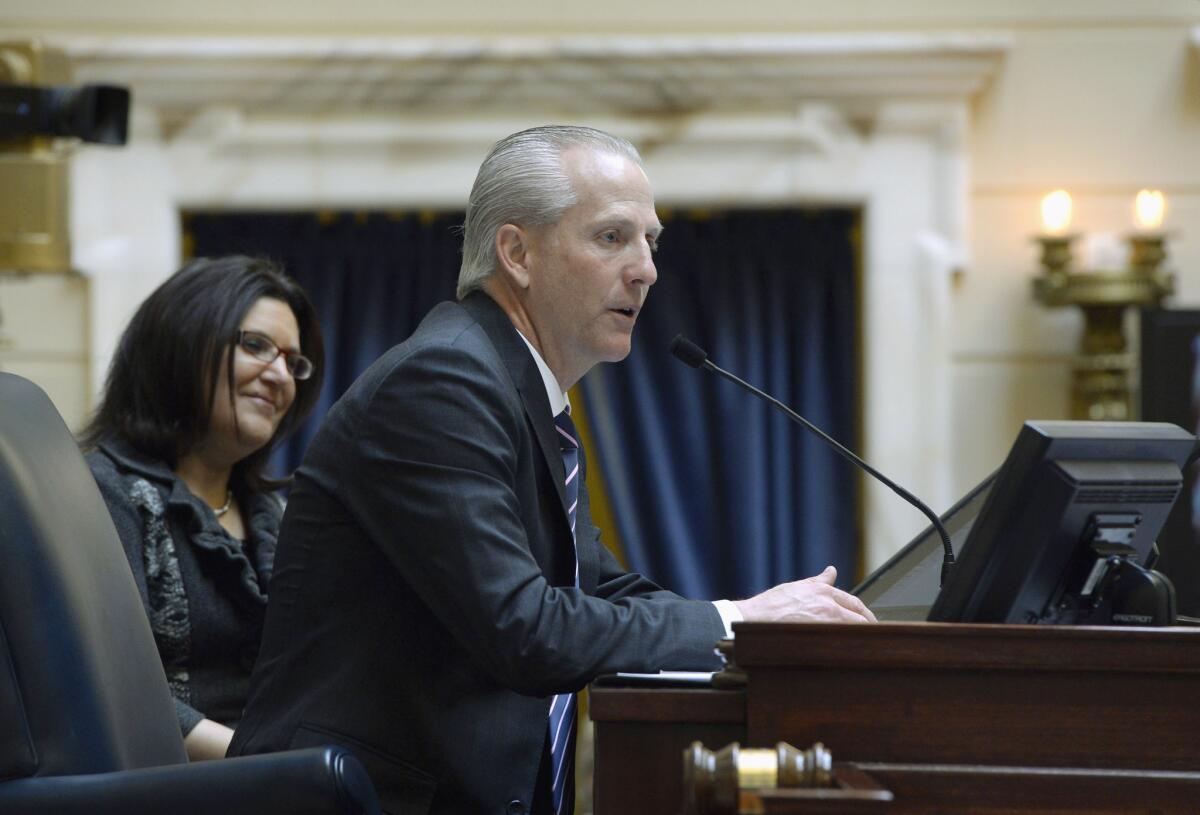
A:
x,y
691,354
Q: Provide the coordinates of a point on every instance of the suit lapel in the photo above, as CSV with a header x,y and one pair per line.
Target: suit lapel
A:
x,y
527,378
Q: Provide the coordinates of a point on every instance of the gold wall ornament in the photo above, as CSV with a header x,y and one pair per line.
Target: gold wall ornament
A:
x,y
1103,370
41,121
34,233
33,171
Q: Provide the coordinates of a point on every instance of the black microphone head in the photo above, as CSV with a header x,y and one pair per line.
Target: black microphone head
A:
x,y
688,352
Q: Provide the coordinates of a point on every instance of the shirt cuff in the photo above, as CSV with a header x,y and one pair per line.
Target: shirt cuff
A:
x,y
729,615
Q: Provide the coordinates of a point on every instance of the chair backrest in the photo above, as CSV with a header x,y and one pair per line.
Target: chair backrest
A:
x,y
82,689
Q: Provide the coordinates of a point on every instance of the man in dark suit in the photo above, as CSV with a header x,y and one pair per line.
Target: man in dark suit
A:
x,y
440,592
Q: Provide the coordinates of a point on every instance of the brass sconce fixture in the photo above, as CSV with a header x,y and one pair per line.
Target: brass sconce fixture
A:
x,y
1101,379
33,172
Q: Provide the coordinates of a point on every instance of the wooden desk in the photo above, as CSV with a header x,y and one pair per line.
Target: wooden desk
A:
x,y
640,738
917,694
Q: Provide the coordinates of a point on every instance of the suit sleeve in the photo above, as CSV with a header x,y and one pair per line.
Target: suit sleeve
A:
x,y
616,583
431,479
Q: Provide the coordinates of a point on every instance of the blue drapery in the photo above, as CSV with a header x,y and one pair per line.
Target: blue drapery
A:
x,y
715,493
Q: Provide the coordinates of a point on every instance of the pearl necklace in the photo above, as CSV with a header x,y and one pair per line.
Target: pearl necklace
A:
x,y
221,510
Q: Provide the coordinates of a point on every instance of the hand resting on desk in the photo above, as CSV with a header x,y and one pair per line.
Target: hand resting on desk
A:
x,y
812,600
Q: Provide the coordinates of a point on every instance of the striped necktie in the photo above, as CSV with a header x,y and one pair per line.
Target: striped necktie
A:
x,y
562,707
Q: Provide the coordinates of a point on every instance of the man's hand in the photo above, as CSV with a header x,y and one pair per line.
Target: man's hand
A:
x,y
812,600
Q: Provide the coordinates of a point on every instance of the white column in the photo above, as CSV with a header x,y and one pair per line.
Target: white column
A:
x,y
914,239
124,230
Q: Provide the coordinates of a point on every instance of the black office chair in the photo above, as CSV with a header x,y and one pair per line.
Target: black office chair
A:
x,y
86,721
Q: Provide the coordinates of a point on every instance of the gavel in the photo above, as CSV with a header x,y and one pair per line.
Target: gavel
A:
x,y
713,781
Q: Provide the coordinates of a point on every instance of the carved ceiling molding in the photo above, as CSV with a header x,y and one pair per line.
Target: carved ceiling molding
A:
x,y
401,87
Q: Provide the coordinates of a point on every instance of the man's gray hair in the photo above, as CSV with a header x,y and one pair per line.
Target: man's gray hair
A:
x,y
522,181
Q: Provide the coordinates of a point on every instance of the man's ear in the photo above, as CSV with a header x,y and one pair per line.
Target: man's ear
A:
x,y
513,253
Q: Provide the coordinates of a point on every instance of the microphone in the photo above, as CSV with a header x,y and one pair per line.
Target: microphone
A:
x,y
691,354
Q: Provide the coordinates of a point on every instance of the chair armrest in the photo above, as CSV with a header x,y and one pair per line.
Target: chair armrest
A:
x,y
314,781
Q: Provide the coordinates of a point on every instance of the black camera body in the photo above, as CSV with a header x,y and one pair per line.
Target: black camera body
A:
x,y
93,113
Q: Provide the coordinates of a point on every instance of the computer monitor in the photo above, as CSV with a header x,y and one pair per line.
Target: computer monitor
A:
x,y
1070,496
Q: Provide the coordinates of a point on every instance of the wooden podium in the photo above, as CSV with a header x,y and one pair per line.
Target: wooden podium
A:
x,y
1111,712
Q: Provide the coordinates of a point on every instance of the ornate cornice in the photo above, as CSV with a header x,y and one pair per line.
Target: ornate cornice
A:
x,y
421,79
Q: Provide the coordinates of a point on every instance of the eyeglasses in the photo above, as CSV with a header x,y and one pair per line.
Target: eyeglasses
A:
x,y
263,349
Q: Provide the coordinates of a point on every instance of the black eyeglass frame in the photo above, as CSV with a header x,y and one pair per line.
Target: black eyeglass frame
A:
x,y
298,365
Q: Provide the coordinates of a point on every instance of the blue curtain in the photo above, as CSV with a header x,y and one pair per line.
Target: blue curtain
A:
x,y
715,493
371,277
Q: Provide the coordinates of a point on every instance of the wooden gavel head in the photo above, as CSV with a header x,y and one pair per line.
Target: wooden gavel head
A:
x,y
713,781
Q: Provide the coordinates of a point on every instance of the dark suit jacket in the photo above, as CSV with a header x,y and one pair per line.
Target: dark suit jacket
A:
x,y
423,606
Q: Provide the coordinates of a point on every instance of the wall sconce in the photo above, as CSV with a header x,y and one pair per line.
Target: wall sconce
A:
x,y
1100,387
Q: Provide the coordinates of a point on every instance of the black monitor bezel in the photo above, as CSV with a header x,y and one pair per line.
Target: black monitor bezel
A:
x,y
1008,537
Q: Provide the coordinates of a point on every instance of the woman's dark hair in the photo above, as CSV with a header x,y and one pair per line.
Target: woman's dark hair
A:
x,y
160,387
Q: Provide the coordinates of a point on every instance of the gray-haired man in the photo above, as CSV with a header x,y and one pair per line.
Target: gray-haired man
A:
x,y
440,591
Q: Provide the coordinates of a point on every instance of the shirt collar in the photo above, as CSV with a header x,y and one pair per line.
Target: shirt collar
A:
x,y
558,400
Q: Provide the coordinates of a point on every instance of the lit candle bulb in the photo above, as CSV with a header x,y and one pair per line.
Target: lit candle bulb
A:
x,y
1056,212
1149,207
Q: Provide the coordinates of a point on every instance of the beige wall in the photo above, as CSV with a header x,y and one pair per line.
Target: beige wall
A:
x,y
44,337
373,18
1102,111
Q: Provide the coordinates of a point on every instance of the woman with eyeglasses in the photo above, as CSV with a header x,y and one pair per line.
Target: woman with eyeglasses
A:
x,y
216,367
